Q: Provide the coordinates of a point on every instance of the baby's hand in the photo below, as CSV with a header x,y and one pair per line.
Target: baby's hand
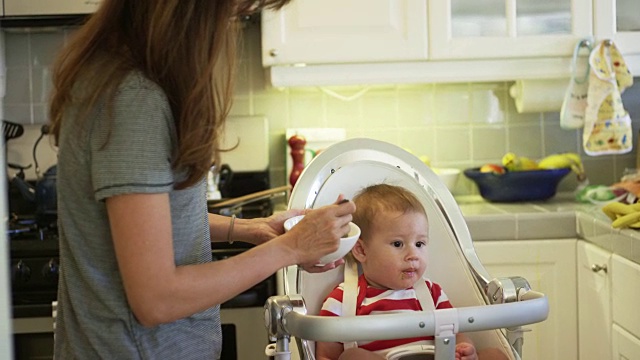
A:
x,y
465,351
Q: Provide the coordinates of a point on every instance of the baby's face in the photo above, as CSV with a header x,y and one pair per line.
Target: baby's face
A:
x,y
395,254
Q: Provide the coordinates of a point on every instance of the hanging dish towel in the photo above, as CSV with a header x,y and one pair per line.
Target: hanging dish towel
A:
x,y
574,105
607,128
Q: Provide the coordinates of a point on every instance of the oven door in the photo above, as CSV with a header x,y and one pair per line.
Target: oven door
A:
x,y
244,335
33,338
243,332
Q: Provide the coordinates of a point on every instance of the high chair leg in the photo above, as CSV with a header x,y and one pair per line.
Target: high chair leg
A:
x,y
279,350
515,337
445,347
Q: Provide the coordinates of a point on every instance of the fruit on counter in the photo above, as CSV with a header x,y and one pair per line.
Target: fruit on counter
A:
x,y
492,168
513,162
564,160
623,215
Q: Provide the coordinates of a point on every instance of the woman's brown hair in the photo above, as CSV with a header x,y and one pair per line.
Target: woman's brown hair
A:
x,y
187,47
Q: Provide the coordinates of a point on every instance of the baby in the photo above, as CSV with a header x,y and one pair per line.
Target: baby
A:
x,y
392,251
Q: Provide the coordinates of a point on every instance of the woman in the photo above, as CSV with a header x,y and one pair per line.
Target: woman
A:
x,y
140,95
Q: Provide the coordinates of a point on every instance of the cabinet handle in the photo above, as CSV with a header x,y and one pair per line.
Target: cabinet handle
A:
x,y
273,52
597,268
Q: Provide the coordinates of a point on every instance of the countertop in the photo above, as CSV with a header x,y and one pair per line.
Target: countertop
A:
x,y
558,218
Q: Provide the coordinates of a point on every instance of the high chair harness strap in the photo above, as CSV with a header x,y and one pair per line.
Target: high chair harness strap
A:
x,y
350,294
424,295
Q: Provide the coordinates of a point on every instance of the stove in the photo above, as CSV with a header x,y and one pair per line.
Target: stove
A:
x,y
34,252
34,271
245,183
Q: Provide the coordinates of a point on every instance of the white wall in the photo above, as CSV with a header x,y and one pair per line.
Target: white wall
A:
x,y
6,338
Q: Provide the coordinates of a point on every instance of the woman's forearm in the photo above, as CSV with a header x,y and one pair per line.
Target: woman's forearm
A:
x,y
230,229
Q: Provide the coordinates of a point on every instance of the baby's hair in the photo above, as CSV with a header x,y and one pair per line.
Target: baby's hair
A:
x,y
383,197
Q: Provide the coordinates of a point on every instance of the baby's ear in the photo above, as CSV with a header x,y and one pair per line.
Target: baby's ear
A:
x,y
358,251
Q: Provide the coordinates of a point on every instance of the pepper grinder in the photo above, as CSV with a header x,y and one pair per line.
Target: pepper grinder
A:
x,y
297,144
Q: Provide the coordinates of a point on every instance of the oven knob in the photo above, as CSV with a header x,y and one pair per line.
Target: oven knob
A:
x,y
50,270
21,272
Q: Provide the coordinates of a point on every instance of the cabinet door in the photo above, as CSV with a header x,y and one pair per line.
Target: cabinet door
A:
x,y
625,294
337,31
48,7
470,29
619,20
624,344
594,308
550,267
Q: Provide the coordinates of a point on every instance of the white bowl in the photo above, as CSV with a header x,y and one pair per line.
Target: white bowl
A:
x,y
291,222
346,243
448,176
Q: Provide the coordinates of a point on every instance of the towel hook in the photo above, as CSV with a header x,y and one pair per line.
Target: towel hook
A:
x,y
584,43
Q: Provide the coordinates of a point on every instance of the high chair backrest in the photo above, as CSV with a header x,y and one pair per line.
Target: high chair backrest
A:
x,y
346,168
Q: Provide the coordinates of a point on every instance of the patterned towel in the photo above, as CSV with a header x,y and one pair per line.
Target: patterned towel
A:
x,y
607,127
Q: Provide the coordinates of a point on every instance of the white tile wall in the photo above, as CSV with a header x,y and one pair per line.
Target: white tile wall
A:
x,y
456,125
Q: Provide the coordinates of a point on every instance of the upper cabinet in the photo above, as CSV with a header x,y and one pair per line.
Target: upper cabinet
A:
x,y
618,20
332,42
48,7
337,31
469,29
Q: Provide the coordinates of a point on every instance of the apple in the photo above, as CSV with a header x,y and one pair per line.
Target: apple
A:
x,y
492,168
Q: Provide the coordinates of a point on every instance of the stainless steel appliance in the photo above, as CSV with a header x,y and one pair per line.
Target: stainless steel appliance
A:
x,y
243,332
34,252
34,281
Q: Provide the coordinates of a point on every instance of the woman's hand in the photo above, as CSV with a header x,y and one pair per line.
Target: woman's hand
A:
x,y
319,234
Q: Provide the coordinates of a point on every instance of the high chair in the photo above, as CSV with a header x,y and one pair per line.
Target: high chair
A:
x,y
489,311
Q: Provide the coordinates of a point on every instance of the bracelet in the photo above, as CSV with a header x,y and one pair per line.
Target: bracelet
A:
x,y
233,220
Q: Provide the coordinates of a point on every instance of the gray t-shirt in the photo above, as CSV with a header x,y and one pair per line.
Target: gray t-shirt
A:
x,y
94,319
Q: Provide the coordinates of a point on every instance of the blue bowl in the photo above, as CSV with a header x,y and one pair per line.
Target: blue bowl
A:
x,y
515,186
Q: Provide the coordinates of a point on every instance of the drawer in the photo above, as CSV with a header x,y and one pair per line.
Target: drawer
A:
x,y
625,295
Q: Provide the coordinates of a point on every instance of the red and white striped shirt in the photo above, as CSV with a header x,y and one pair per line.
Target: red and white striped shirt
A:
x,y
372,301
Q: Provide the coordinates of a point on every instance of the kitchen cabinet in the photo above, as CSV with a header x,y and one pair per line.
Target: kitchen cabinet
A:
x,y
625,297
48,7
336,31
625,345
619,20
466,29
550,267
608,294
594,305
323,43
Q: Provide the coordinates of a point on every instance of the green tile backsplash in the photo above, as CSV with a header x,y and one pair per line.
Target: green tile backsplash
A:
x,y
456,125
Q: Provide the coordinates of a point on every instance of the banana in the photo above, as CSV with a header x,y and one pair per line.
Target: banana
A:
x,y
564,160
528,164
576,161
513,162
615,209
623,215
628,220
